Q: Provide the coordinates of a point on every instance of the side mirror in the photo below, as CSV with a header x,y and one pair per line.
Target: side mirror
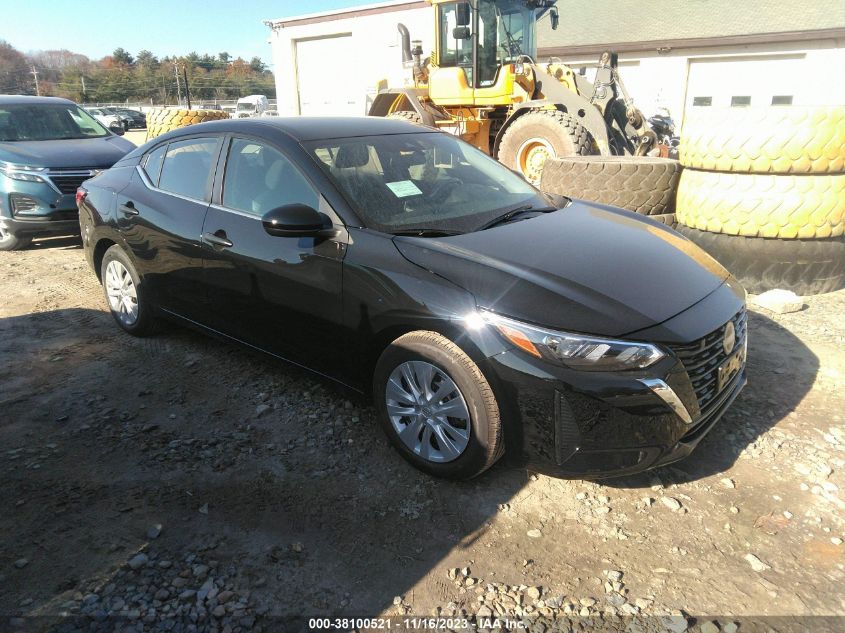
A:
x,y
462,14
297,220
461,33
117,128
554,16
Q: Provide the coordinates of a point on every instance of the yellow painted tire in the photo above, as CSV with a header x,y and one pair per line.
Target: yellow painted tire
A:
x,y
775,140
161,120
762,205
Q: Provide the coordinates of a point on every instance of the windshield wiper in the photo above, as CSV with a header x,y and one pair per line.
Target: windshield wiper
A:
x,y
526,208
426,233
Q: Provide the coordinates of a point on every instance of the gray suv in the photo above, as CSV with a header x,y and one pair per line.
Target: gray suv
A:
x,y
48,147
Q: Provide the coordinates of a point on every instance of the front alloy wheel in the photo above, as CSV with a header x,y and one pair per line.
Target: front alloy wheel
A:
x,y
436,406
428,411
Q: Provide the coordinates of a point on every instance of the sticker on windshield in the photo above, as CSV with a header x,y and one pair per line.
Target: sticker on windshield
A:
x,y
404,188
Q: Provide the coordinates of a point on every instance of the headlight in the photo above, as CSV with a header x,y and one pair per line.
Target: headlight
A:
x,y
21,172
589,353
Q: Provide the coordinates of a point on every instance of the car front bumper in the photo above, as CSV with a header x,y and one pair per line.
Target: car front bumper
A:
x,y
34,209
598,424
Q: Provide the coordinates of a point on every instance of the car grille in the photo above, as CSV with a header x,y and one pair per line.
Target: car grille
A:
x,y
69,184
703,357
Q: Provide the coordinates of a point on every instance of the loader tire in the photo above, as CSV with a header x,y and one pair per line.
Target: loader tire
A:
x,y
161,120
781,140
407,115
638,183
806,267
536,136
762,205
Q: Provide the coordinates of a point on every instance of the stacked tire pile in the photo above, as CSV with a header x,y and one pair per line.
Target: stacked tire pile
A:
x,y
641,184
161,120
763,191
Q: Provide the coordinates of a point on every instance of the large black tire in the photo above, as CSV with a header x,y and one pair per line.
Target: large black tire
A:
x,y
485,444
146,322
638,183
10,242
806,267
536,136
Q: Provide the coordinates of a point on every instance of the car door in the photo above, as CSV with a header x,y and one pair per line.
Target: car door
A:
x,y
281,294
161,215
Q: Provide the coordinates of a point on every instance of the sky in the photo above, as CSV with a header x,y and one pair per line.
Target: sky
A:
x,y
166,27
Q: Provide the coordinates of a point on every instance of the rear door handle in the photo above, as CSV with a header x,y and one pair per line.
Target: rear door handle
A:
x,y
217,240
128,208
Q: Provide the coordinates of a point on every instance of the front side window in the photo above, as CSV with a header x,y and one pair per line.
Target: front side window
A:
x,y
47,122
259,178
187,167
431,181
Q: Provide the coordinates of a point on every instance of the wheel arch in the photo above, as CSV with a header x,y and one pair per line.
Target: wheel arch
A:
x,y
99,252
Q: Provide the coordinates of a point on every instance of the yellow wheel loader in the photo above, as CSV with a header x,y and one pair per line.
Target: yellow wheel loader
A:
x,y
483,84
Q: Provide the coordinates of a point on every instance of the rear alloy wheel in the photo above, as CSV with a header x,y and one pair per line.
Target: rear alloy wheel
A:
x,y
125,294
10,242
437,407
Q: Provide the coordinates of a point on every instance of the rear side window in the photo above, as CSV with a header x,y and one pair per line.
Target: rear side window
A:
x,y
259,178
187,167
152,163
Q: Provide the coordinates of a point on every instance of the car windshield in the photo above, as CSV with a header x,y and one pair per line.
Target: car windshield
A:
x,y
47,122
426,182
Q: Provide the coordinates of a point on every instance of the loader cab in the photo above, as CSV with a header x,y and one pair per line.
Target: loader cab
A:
x,y
479,42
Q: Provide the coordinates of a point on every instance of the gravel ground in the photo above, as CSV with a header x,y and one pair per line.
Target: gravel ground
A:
x,y
178,483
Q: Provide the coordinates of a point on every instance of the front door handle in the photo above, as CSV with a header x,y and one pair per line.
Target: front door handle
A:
x,y
217,239
128,208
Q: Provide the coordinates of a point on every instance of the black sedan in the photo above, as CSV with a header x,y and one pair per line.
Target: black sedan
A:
x,y
483,316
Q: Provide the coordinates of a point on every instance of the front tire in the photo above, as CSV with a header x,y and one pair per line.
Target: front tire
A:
x,y
436,406
126,294
11,242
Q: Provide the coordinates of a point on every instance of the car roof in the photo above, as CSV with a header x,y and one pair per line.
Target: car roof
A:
x,y
314,128
11,99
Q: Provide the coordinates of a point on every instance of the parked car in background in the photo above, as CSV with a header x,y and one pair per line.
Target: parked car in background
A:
x,y
251,106
482,315
137,120
48,147
108,117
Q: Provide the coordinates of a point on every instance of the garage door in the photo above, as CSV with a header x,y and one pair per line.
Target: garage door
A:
x,y
326,77
745,81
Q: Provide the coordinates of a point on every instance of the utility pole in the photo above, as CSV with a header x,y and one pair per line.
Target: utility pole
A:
x,y
34,73
84,90
178,88
187,89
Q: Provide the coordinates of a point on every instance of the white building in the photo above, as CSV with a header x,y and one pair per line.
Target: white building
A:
x,y
673,54
331,62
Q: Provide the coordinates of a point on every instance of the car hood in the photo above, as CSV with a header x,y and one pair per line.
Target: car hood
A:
x,y
99,153
586,268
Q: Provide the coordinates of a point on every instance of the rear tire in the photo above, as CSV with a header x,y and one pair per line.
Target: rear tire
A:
x,y
126,294
537,136
11,242
411,406
806,267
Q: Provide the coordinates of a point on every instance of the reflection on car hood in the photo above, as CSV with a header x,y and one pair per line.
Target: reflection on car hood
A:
x,y
67,153
586,268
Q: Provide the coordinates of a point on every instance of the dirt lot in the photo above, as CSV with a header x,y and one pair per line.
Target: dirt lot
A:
x,y
185,484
